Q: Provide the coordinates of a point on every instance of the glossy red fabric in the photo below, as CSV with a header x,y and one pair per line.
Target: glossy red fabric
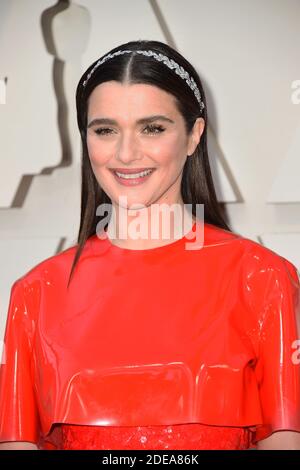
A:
x,y
160,337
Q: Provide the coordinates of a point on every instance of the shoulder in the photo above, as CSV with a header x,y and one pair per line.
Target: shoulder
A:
x,y
253,254
264,264
259,270
56,267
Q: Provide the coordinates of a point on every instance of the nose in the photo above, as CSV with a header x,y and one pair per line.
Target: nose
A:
x,y
128,148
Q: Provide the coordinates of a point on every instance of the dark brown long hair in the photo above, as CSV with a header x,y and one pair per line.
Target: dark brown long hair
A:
x,y
197,185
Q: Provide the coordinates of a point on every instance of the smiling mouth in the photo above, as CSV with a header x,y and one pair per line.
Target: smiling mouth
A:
x,y
132,177
136,174
130,170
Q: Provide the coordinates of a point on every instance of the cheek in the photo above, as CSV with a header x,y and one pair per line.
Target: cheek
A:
x,y
98,153
166,150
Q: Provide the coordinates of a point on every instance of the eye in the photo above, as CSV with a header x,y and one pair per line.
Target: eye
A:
x,y
154,129
103,131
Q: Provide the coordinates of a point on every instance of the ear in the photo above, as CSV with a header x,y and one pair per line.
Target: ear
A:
x,y
195,135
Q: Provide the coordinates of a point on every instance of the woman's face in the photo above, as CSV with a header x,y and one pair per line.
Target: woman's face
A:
x,y
124,134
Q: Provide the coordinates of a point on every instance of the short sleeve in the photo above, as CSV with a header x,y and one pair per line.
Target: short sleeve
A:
x,y
19,419
278,362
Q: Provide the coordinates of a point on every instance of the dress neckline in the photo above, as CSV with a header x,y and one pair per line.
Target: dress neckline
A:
x,y
188,239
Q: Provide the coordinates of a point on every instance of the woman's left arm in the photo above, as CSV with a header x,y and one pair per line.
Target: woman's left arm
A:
x,y
273,287
281,440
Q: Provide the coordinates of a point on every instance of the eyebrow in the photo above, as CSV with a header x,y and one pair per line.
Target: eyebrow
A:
x,y
144,120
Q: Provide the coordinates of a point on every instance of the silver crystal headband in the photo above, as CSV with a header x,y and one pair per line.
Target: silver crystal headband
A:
x,y
161,58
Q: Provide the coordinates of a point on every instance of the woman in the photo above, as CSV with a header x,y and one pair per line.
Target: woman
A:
x,y
122,342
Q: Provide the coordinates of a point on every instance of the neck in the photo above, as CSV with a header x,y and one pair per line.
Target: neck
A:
x,y
145,228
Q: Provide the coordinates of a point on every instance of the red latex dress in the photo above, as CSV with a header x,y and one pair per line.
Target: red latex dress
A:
x,y
165,348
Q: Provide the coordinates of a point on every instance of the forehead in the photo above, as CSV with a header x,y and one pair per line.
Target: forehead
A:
x,y
113,95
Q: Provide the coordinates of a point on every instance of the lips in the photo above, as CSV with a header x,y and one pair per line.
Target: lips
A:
x,y
132,180
127,171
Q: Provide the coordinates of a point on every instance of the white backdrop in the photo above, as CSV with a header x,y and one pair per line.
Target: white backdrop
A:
x,y
247,54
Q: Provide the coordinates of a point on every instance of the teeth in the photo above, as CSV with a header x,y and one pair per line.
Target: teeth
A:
x,y
133,175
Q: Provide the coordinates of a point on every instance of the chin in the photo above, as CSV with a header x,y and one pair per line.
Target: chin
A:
x,y
131,204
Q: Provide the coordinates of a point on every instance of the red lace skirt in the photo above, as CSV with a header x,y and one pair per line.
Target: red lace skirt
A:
x,y
178,436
